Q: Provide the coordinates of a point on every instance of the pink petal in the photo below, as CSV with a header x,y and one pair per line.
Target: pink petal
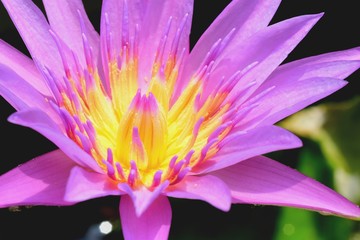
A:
x,y
41,123
23,66
303,68
21,95
112,22
245,17
155,20
261,180
207,188
84,185
306,81
40,181
113,29
280,39
143,198
243,145
65,21
154,223
338,64
34,30
289,97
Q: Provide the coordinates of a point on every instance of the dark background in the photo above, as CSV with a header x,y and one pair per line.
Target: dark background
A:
x,y
338,29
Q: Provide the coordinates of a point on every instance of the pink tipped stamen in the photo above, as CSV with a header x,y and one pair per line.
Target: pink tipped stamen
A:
x,y
212,53
181,175
119,62
52,86
188,156
215,134
136,101
227,39
87,49
152,103
70,123
77,65
205,149
161,47
172,162
61,52
120,170
125,25
178,166
139,146
197,127
108,39
88,54
243,112
157,179
260,95
110,170
109,156
133,175
86,145
230,83
79,124
135,41
178,35
237,94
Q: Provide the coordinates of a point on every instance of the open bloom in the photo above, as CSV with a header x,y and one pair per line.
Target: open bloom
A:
x,y
135,113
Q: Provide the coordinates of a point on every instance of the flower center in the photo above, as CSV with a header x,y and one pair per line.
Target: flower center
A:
x,y
135,129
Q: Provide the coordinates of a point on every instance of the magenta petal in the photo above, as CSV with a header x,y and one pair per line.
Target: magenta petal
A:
x,y
40,181
64,19
84,185
143,198
242,16
154,24
34,30
112,14
280,39
338,64
154,223
243,145
207,188
277,104
21,95
261,180
23,66
41,123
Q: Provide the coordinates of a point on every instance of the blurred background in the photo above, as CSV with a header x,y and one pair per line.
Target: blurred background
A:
x,y
330,130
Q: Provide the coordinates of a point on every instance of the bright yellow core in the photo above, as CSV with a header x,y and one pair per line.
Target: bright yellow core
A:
x,y
139,137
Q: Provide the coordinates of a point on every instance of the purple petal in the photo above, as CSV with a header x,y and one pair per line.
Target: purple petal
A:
x,y
207,188
84,185
154,223
289,97
243,145
280,39
261,180
245,17
143,198
154,23
113,29
338,64
34,30
65,21
21,95
41,123
40,181
112,22
23,66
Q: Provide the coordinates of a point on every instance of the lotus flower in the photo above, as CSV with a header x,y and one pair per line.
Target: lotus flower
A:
x,y
136,114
